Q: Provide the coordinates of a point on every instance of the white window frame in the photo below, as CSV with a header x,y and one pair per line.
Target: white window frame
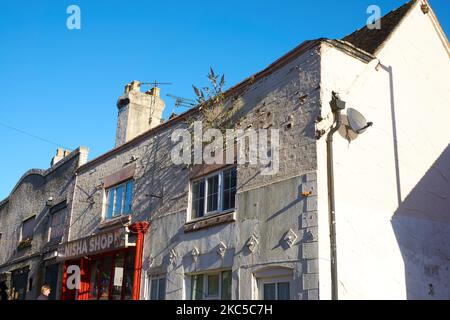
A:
x,y
219,196
106,202
276,281
273,275
158,277
205,284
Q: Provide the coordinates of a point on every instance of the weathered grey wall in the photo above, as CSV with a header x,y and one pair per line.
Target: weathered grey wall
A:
x,y
27,199
287,99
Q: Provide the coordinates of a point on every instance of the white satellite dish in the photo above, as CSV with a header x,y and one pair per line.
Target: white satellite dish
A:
x,y
353,124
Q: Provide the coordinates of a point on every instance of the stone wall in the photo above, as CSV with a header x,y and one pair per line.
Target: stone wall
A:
x,y
29,198
286,99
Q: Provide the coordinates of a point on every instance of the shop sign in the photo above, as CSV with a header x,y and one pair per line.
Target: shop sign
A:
x,y
98,243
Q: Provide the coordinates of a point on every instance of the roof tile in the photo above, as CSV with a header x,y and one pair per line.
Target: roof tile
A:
x,y
370,40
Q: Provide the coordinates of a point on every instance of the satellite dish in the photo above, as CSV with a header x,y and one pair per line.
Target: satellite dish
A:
x,y
353,124
357,121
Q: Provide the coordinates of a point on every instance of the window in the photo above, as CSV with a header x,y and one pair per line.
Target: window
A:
x,y
111,276
56,229
157,288
214,193
229,189
274,283
27,229
276,291
119,199
211,286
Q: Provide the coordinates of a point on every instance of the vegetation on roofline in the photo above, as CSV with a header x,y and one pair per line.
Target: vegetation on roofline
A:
x,y
215,112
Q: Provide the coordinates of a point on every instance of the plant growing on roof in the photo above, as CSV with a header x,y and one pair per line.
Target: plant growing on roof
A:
x,y
215,113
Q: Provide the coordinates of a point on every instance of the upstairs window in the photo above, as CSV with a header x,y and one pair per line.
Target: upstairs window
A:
x,y
27,229
119,199
57,218
214,193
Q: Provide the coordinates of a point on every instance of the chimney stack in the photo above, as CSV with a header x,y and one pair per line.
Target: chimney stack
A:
x,y
60,154
137,112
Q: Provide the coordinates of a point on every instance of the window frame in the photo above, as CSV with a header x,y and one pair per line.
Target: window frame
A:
x,y
205,275
123,211
63,211
274,279
276,282
21,238
220,194
158,279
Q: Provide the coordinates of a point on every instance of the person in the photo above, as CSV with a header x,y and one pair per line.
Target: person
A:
x,y
45,291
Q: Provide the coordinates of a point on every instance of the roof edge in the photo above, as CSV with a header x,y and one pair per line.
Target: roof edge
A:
x,y
44,172
437,25
238,88
351,50
394,30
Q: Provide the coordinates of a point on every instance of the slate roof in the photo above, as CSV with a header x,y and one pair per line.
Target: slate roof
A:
x,y
370,40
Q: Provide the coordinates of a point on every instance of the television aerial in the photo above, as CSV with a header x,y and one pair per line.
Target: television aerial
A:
x,y
181,102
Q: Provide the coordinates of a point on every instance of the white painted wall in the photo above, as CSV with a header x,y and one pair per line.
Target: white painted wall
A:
x,y
371,263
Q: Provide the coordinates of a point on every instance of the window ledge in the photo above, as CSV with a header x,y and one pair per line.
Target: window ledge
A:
x,y
53,242
113,222
24,244
209,221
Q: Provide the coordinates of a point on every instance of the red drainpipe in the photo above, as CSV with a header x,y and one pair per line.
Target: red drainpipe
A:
x,y
141,229
83,292
64,294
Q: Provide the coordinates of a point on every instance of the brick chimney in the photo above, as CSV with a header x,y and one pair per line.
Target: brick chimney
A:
x,y
138,112
60,154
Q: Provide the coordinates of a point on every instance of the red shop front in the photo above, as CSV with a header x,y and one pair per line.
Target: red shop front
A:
x,y
109,265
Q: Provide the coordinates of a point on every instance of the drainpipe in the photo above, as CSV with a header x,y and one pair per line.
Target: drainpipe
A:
x,y
337,105
140,228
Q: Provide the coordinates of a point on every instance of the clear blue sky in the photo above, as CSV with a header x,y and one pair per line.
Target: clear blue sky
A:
x,y
62,85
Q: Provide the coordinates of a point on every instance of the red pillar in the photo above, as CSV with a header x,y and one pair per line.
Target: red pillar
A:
x,y
64,294
141,229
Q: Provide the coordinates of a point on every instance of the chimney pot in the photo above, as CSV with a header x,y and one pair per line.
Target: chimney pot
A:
x,y
155,91
135,86
60,154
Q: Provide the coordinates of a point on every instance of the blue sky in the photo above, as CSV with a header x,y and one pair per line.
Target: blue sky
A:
x,y
62,85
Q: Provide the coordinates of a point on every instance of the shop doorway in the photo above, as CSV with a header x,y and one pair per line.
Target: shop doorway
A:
x,y
107,276
51,278
19,279
111,276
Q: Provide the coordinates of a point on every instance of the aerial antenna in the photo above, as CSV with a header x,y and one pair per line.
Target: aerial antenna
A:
x,y
181,102
155,84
